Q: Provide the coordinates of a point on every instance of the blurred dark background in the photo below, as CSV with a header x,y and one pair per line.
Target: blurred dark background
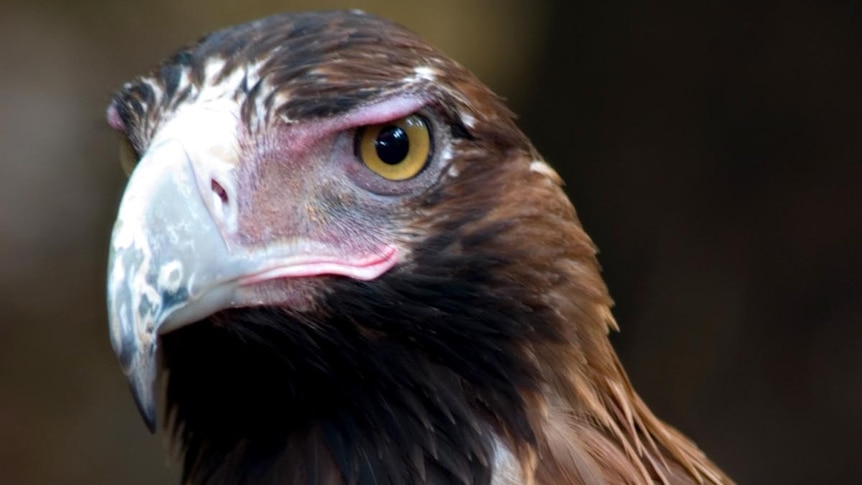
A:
x,y
712,149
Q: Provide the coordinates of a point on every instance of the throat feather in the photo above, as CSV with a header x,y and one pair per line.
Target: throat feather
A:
x,y
261,393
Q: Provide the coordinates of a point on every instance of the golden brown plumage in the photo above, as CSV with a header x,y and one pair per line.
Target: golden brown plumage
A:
x,y
323,319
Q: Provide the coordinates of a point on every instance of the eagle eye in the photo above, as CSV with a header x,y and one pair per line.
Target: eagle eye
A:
x,y
396,150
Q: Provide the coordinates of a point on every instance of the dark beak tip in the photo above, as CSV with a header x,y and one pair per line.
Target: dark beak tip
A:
x,y
146,408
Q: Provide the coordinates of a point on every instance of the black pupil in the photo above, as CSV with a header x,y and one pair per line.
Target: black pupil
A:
x,y
392,145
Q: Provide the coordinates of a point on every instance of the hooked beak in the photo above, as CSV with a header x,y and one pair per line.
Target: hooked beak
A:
x,y
168,265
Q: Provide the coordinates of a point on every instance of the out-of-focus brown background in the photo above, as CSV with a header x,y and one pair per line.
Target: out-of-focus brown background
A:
x,y
713,152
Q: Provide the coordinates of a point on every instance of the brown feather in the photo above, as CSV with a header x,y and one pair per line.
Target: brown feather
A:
x,y
595,428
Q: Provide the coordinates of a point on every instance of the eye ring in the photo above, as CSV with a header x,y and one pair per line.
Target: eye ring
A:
x,y
396,150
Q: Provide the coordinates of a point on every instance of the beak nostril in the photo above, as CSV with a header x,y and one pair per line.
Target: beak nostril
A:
x,y
222,206
219,191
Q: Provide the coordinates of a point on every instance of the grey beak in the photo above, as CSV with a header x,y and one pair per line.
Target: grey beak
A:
x,y
168,265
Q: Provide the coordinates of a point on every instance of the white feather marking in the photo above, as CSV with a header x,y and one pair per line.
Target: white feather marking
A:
x,y
158,93
252,71
425,72
446,153
507,468
421,74
468,120
229,84
445,157
539,166
213,67
226,88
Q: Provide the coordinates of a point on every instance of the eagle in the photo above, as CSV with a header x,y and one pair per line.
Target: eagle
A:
x,y
337,260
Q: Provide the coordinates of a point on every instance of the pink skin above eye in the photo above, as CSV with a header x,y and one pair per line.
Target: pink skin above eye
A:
x,y
304,135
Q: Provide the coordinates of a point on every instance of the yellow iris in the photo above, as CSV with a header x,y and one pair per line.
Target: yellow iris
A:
x,y
397,150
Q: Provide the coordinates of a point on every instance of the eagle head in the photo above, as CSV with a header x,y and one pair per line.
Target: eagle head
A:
x,y
344,263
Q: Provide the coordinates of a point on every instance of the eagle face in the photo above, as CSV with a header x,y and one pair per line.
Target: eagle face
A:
x,y
353,267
